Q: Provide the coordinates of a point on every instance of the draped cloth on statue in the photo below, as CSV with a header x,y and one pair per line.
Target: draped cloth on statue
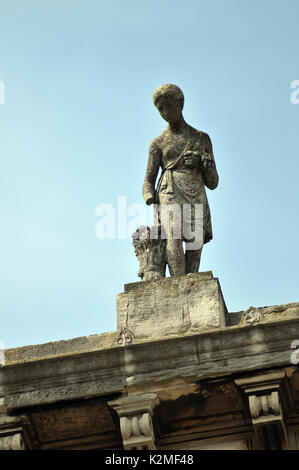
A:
x,y
179,184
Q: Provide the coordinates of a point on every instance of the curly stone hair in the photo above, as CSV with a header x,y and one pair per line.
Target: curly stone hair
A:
x,y
169,91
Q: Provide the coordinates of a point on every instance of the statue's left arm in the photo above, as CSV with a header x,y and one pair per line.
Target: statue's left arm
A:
x,y
208,166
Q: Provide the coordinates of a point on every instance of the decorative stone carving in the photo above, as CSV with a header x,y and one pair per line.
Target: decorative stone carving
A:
x,y
124,336
12,442
136,425
137,432
262,406
252,316
264,392
11,432
150,253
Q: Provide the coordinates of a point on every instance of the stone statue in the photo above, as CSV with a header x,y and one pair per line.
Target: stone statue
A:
x,y
185,156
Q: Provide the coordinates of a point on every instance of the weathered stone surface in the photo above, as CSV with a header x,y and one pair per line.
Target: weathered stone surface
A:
x,y
172,306
47,380
173,346
92,417
253,316
59,348
146,364
234,318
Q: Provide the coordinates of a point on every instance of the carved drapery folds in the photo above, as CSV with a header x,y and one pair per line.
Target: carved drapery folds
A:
x,y
265,392
136,424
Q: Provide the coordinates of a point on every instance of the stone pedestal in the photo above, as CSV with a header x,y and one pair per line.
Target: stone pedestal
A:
x,y
170,306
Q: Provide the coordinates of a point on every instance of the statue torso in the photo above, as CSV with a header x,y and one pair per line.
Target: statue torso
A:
x,y
173,144
180,184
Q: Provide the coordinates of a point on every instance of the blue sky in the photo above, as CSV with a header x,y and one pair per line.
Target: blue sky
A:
x,y
75,131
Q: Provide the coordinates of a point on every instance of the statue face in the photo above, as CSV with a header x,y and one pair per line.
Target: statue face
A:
x,y
170,109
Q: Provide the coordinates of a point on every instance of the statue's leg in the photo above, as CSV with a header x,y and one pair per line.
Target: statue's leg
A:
x,y
171,228
193,225
175,257
192,260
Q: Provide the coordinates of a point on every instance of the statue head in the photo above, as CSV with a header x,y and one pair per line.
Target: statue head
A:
x,y
169,100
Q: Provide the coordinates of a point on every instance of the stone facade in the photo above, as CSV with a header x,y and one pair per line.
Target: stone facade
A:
x,y
180,372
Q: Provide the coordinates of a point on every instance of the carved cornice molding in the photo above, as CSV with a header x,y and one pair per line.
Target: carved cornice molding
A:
x,y
136,424
102,372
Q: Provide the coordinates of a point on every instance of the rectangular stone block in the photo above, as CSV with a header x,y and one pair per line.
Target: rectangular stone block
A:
x,y
171,306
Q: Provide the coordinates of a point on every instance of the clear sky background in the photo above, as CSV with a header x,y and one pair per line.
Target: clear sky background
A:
x,y
75,132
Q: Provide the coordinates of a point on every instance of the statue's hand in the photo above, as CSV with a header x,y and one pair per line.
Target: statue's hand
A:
x,y
150,201
207,160
190,158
